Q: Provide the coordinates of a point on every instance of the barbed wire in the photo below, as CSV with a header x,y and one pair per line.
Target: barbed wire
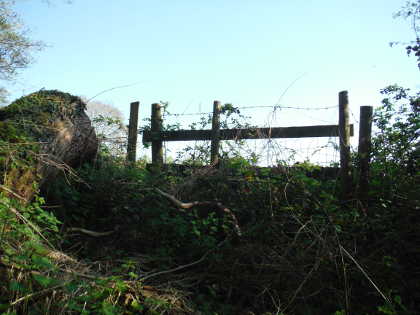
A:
x,y
188,114
290,107
275,107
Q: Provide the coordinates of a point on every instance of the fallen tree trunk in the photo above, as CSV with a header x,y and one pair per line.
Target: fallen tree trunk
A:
x,y
40,134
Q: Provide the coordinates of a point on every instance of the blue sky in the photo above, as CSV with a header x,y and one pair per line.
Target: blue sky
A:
x,y
245,52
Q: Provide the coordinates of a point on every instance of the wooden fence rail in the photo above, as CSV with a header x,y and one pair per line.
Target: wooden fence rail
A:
x,y
344,130
250,133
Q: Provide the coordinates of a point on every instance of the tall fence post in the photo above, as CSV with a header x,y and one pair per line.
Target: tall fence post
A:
x,y
132,132
344,128
215,134
157,145
364,151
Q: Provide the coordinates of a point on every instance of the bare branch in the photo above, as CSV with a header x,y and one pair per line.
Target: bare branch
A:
x,y
224,210
111,89
89,232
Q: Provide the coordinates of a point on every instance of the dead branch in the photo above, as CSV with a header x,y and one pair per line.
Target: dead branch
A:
x,y
12,192
220,207
90,233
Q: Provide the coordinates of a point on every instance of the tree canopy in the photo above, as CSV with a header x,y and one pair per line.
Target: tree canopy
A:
x,y
15,45
411,11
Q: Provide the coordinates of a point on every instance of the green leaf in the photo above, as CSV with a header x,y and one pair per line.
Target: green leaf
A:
x,y
4,307
42,262
16,286
43,281
71,287
109,309
137,306
120,286
133,275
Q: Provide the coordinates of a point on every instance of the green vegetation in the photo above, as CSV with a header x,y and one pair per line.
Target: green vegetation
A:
x,y
116,239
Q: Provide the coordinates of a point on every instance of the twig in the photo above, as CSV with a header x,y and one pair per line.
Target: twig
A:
x,y
111,89
183,266
34,271
307,277
13,193
189,205
288,87
29,296
90,233
365,274
83,275
175,269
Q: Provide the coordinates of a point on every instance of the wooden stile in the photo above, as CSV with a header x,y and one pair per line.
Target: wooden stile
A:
x,y
344,130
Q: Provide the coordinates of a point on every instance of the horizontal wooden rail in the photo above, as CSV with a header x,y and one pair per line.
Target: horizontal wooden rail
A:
x,y
256,133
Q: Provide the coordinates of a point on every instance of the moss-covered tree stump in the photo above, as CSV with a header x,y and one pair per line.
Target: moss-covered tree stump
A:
x,y
40,134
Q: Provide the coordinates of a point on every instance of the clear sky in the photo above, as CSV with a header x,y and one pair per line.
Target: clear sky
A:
x,y
245,52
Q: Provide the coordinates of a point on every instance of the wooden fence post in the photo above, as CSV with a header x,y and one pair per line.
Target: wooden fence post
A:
x,y
132,132
215,134
364,151
157,145
344,128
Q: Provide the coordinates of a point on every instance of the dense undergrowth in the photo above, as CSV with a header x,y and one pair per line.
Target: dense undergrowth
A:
x,y
132,249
